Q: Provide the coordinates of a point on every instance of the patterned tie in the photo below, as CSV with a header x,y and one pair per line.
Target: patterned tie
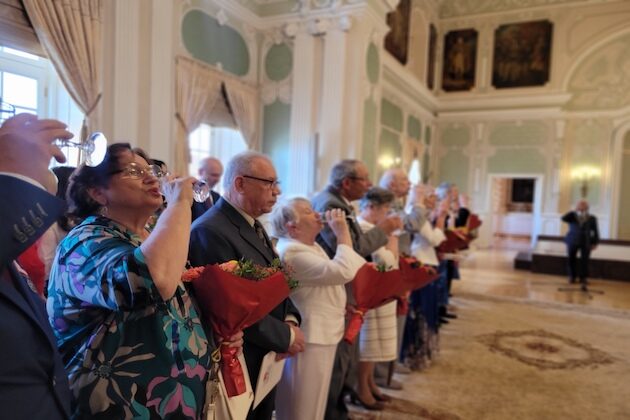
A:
x,y
260,231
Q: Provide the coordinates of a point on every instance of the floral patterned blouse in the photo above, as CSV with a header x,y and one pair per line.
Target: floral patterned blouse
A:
x,y
128,352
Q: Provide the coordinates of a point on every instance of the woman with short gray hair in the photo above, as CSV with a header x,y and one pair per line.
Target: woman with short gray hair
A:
x,y
321,299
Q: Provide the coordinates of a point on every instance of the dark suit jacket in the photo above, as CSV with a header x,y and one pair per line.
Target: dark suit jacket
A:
x,y
222,234
363,243
33,381
200,208
585,234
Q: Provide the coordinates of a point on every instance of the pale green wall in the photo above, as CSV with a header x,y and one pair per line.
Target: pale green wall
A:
x,y
526,134
390,143
276,120
414,127
391,115
589,148
521,160
624,199
456,137
454,168
208,41
278,62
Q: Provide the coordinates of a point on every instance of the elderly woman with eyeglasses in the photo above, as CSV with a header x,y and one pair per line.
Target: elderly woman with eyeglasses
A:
x,y
321,299
127,329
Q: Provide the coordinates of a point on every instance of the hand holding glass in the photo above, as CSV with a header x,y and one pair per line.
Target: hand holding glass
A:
x,y
94,147
201,190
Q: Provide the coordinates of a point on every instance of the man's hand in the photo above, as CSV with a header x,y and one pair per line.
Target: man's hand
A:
x,y
235,341
26,145
298,342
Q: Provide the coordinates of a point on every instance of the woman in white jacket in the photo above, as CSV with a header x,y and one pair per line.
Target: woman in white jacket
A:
x,y
321,299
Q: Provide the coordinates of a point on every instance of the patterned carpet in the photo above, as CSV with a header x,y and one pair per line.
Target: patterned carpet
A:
x,y
514,359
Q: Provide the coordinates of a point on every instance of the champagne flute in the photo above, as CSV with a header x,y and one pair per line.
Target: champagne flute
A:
x,y
201,190
94,147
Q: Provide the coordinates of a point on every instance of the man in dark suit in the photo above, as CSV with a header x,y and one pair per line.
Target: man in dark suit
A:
x,y
583,236
230,231
349,181
210,171
33,381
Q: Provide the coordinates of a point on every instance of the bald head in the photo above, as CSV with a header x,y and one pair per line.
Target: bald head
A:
x,y
396,181
210,170
582,206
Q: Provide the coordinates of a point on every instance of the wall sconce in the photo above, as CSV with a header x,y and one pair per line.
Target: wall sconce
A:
x,y
585,174
387,161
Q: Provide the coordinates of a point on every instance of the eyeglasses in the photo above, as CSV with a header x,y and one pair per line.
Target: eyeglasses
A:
x,y
138,172
359,178
270,183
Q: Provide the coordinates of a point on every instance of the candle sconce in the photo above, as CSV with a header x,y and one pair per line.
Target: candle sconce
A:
x,y
585,174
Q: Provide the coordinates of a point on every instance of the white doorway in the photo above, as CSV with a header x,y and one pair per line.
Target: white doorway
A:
x,y
515,204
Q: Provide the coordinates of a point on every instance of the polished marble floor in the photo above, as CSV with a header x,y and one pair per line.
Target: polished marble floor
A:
x,y
491,272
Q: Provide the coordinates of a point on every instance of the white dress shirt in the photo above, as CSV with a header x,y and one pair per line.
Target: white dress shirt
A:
x,y
321,295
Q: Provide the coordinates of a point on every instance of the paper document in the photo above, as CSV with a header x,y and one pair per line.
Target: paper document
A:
x,y
270,374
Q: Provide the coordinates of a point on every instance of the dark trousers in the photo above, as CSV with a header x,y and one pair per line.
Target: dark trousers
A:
x,y
343,379
578,270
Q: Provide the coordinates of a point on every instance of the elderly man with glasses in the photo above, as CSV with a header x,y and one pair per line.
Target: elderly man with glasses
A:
x,y
229,230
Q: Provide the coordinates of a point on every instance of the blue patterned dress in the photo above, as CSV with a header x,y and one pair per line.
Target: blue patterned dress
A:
x,y
128,352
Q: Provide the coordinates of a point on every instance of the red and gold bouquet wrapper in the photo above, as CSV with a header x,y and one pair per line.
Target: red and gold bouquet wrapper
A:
x,y
230,303
460,238
415,274
371,288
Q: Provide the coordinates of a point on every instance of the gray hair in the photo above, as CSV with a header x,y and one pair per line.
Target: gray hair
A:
x,y
443,189
345,169
240,164
389,176
283,213
376,196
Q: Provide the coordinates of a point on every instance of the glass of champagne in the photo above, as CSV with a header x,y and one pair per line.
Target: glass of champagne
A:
x,y
94,147
201,190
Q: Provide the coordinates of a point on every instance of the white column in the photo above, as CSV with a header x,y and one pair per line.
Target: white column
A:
x,y
161,119
125,86
303,100
333,107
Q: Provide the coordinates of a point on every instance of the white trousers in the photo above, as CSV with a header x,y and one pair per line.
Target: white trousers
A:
x,y
303,390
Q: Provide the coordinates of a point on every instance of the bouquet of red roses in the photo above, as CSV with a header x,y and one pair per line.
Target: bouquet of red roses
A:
x,y
230,301
415,274
372,286
459,238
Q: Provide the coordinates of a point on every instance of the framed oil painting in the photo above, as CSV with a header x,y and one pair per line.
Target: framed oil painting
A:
x,y
431,56
460,58
397,39
522,54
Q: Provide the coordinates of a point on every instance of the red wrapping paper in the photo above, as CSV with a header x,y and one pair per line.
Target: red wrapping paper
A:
x,y
473,222
415,274
371,289
230,304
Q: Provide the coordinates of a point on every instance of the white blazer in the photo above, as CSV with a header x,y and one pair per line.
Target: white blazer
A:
x,y
321,294
424,243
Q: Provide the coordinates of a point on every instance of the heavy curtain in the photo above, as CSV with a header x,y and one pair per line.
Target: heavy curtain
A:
x,y
70,33
207,95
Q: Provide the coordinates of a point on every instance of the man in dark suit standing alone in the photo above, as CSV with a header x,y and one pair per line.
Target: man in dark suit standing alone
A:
x,y
230,231
583,236
349,181
33,381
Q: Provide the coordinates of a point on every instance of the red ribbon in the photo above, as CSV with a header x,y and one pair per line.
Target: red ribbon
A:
x,y
232,371
354,326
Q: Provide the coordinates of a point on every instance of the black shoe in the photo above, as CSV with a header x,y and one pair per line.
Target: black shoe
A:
x,y
583,287
450,315
571,281
443,320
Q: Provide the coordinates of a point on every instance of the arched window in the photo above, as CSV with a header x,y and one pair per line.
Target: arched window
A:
x,y
219,142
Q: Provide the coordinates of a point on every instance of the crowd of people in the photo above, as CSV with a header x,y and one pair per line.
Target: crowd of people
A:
x,y
110,330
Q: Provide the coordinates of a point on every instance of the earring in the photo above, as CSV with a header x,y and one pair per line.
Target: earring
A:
x,y
103,211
